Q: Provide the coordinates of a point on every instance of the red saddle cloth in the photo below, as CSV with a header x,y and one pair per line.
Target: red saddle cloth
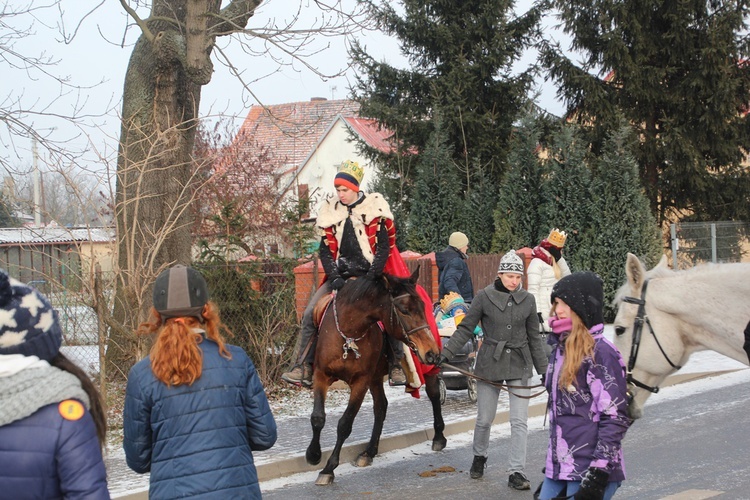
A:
x,y
396,266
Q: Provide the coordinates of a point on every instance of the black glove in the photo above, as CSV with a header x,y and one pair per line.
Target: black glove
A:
x,y
443,359
593,485
373,275
544,377
541,319
338,283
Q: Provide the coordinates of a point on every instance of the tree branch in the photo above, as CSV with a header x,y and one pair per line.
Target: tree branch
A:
x,y
233,17
140,22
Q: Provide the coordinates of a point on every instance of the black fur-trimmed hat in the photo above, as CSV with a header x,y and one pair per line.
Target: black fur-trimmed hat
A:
x,y
584,293
180,291
28,323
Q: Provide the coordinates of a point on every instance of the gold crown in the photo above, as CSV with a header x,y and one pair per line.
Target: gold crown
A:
x,y
450,300
557,238
352,168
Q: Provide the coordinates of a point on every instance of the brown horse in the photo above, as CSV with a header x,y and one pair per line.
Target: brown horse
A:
x,y
351,348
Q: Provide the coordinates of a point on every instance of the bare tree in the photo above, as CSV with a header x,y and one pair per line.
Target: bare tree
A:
x,y
170,63
26,117
68,197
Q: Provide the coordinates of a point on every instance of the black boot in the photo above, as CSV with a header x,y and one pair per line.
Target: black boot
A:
x,y
477,467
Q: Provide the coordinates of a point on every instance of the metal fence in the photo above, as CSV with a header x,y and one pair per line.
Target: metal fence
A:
x,y
697,242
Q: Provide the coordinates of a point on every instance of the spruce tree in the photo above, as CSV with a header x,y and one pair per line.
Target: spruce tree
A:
x,y
565,193
620,218
476,216
462,60
517,221
437,194
678,73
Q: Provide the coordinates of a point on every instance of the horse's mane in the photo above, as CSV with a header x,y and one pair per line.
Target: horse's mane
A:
x,y
708,278
363,288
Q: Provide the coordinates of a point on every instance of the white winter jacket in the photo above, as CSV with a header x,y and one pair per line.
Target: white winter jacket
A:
x,y
540,280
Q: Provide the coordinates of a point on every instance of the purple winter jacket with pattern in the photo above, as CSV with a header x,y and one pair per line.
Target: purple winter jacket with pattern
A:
x,y
587,424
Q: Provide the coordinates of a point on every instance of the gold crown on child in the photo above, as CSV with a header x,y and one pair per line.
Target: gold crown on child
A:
x,y
557,238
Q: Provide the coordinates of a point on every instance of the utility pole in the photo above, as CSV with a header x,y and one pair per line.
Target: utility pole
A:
x,y
35,181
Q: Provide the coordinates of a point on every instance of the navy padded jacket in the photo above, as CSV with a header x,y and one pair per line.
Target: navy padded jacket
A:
x,y
197,440
47,456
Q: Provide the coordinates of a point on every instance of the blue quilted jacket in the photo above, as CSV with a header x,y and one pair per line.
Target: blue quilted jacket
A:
x,y
46,456
197,440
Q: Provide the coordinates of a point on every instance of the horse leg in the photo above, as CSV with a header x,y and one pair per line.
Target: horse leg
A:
x,y
380,408
357,393
432,387
317,419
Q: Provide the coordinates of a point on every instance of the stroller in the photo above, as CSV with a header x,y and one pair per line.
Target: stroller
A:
x,y
448,314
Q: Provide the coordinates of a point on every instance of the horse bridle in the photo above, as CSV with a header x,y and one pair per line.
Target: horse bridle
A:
x,y
407,333
350,343
640,318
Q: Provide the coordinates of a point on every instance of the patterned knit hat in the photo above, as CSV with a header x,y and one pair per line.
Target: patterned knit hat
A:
x,y
510,263
350,174
583,292
180,291
28,323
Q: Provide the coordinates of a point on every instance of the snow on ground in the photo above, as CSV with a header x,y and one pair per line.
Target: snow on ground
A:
x,y
299,403
700,364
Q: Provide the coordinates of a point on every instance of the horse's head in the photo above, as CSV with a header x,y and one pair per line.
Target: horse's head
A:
x,y
407,318
646,336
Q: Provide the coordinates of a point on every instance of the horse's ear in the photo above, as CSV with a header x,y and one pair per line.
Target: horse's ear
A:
x,y
635,272
387,282
415,275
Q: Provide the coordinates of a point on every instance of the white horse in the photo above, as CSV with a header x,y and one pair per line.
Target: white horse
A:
x,y
664,316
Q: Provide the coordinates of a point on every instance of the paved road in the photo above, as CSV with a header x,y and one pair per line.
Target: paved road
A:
x,y
692,447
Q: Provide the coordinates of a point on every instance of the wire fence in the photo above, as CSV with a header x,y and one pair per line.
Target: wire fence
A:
x,y
718,242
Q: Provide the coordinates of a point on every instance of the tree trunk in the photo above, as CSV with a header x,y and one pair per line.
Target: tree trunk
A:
x,y
167,69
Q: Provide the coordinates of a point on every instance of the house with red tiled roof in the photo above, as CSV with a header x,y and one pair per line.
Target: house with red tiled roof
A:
x,y
310,139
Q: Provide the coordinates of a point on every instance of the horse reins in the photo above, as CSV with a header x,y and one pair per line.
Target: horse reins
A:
x,y
407,333
640,318
499,385
350,343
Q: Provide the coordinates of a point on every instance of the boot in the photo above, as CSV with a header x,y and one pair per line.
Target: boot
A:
x,y
299,375
519,481
477,467
396,375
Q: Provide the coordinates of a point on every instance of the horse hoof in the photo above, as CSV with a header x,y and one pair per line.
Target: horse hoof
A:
x,y
363,460
439,444
324,479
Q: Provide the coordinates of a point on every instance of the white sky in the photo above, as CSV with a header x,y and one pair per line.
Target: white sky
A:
x,y
97,59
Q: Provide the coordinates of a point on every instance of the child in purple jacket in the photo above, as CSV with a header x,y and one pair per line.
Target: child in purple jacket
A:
x,y
588,396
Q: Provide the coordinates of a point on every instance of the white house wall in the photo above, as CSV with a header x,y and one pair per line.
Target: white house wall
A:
x,y
320,169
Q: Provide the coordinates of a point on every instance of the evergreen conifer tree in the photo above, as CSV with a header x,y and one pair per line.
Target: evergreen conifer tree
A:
x,y
678,73
565,193
463,66
517,215
437,194
620,219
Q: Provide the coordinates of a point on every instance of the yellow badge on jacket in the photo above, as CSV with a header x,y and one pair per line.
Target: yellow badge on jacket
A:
x,y
70,409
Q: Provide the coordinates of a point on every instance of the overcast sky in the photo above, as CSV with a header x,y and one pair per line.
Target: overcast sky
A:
x,y
97,58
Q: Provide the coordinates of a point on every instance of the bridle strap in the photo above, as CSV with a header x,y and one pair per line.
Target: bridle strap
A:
x,y
641,318
407,333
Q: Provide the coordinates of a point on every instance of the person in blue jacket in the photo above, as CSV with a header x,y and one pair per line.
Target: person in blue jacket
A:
x,y
52,423
453,271
195,409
